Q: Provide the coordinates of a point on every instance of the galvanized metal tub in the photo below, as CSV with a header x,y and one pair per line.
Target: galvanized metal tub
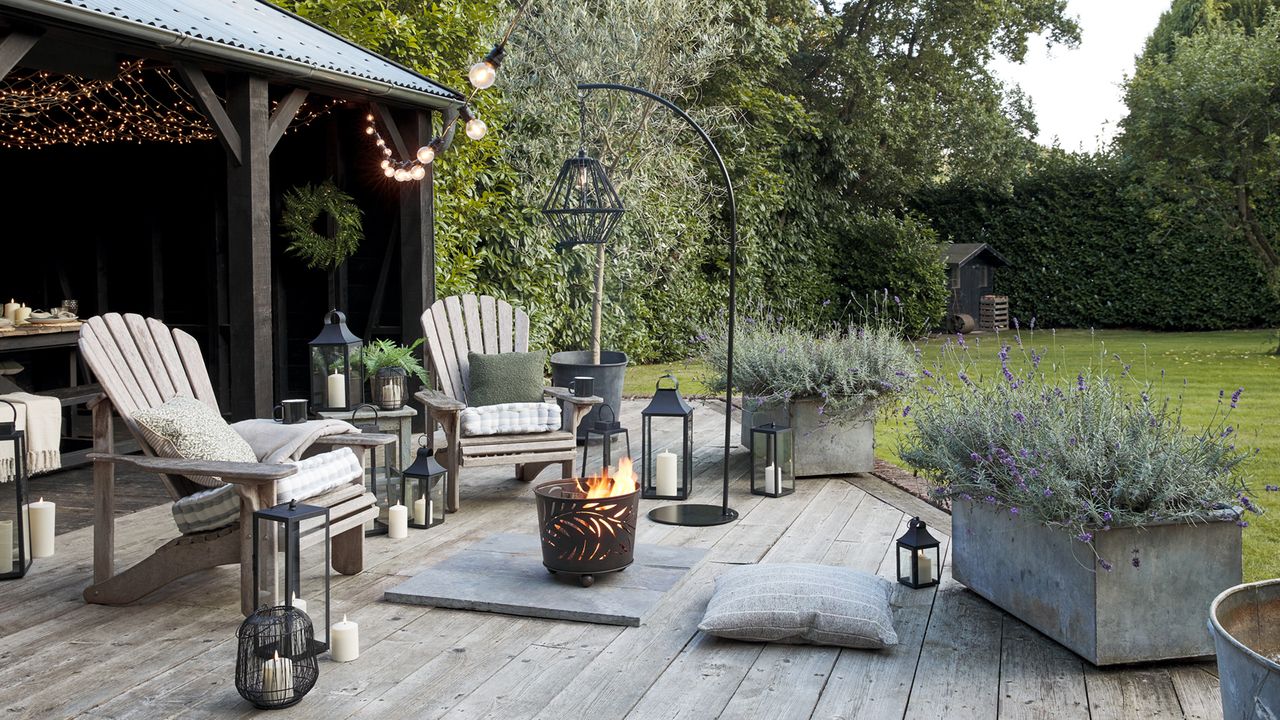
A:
x,y
823,446
1143,612
609,375
1245,623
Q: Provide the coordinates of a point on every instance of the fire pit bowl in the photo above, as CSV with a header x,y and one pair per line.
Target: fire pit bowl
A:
x,y
584,535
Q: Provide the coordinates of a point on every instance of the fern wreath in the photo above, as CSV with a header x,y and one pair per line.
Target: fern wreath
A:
x,y
303,207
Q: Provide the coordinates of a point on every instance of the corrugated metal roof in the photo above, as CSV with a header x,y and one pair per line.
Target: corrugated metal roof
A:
x,y
251,27
961,253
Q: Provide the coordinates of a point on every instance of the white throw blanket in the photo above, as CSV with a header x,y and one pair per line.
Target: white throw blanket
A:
x,y
275,442
41,419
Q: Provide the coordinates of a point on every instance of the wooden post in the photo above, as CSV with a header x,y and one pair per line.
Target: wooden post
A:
x,y
249,248
104,493
417,234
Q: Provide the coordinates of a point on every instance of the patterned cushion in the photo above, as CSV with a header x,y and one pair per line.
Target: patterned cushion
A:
x,y
219,507
510,419
509,377
184,427
802,604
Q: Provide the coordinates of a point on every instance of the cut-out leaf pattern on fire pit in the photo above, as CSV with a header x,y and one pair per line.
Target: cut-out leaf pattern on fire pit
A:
x,y
588,525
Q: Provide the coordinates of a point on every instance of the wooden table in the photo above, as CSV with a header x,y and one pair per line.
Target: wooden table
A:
x,y
37,337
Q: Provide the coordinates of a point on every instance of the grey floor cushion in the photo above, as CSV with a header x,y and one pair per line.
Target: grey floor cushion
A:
x,y
803,604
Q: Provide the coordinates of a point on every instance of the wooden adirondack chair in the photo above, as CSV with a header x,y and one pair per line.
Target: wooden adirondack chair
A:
x,y
455,326
141,363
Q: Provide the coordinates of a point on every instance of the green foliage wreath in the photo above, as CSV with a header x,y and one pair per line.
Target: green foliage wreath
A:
x,y
304,207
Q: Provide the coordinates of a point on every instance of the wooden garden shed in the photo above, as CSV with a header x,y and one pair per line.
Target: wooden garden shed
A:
x,y
146,147
971,274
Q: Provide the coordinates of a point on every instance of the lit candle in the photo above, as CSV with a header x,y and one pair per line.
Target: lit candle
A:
x,y
21,314
667,465
420,511
344,640
924,568
398,522
11,309
6,546
41,514
299,603
277,680
337,395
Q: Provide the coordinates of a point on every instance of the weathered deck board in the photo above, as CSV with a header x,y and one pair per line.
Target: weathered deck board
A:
x,y
173,653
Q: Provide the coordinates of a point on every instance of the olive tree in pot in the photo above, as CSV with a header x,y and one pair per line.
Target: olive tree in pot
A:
x,y
1081,504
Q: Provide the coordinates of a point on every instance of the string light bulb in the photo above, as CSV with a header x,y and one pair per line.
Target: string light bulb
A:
x,y
388,170
426,154
402,175
483,74
475,127
418,172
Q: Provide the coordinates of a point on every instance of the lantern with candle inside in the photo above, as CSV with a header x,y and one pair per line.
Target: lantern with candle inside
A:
x,y
423,488
276,657
667,464
281,575
337,378
15,520
772,460
604,432
919,562
380,477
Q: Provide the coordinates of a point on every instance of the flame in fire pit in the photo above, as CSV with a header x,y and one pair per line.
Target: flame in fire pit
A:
x,y
606,485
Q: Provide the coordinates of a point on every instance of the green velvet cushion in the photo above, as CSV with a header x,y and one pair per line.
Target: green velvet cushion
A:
x,y
510,377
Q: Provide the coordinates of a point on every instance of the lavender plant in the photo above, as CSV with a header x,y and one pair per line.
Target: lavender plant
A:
x,y
1086,452
851,368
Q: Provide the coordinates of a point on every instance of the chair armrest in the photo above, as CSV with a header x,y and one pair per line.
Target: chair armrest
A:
x,y
560,393
356,440
439,402
233,472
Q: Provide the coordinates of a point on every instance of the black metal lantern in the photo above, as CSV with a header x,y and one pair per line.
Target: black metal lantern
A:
x,y
337,375
277,540
276,657
15,532
422,489
583,207
379,480
919,562
772,460
667,475
604,432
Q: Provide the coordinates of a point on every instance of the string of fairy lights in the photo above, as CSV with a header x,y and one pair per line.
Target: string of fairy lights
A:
x,y
481,75
143,103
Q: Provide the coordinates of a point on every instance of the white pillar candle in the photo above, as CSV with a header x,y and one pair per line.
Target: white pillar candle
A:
x,y
11,309
299,603
337,391
924,567
41,513
344,638
277,679
21,314
668,466
772,479
420,515
398,522
6,546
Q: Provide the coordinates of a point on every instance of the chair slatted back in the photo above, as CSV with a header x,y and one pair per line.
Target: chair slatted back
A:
x,y
140,364
461,324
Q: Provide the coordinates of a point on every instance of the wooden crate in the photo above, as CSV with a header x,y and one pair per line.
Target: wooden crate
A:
x,y
994,313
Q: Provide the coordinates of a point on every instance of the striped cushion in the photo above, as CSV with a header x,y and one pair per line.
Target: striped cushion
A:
x,y
510,419
802,604
184,427
220,506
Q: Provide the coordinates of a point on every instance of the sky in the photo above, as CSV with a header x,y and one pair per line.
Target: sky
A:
x,y
1077,92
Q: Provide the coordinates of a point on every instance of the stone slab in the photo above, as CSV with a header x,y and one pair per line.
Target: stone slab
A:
x,y
504,574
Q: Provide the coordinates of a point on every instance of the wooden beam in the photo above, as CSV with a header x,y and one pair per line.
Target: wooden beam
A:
x,y
417,235
212,108
393,132
284,114
13,48
249,249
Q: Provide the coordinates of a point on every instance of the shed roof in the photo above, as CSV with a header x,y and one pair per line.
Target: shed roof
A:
x,y
250,33
962,253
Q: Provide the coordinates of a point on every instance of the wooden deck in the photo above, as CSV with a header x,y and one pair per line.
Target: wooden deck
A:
x,y
173,654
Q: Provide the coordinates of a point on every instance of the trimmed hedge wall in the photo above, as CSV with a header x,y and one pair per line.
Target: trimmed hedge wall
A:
x,y
1084,253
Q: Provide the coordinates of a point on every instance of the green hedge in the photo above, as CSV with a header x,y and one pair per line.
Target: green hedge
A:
x,y
1084,253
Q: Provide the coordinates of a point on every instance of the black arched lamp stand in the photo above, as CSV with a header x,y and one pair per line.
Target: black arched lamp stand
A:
x,y
690,514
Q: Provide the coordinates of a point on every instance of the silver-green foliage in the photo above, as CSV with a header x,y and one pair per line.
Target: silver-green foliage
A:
x,y
1086,452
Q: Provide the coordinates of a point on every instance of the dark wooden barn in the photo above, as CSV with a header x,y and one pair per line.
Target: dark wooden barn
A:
x,y
971,274
146,147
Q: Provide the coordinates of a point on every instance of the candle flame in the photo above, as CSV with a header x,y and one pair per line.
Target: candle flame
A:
x,y
275,655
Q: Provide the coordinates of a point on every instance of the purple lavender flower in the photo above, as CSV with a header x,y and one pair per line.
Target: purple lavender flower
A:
x,y
990,500
926,373
1243,523
1032,324
1017,415
1016,326
1085,537
1235,396
964,378
1048,492
1104,565
896,301
1080,382
1136,562
906,411
1272,488
826,302
978,458
960,340
1106,516
1013,511
1004,354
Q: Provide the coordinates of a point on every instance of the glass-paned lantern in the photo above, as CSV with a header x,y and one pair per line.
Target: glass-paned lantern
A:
x,y
667,465
380,475
279,577
604,434
276,657
337,377
919,562
388,388
583,207
423,489
772,460
15,520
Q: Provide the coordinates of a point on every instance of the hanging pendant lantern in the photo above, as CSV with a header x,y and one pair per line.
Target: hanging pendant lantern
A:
x,y
583,207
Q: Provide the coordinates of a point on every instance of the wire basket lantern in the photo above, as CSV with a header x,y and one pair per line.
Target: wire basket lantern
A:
x,y
276,663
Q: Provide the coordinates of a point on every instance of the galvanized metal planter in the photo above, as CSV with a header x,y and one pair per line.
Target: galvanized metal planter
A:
x,y
1245,622
1138,612
823,446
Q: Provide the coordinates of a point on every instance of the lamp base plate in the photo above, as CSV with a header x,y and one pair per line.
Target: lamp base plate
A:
x,y
693,515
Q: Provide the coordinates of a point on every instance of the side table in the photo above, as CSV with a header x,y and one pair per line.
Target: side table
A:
x,y
394,422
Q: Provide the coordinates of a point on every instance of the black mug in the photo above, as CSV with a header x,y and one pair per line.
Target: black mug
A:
x,y
290,412
583,386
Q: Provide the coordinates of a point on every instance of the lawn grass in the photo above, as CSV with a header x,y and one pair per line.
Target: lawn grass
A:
x,y
1207,361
